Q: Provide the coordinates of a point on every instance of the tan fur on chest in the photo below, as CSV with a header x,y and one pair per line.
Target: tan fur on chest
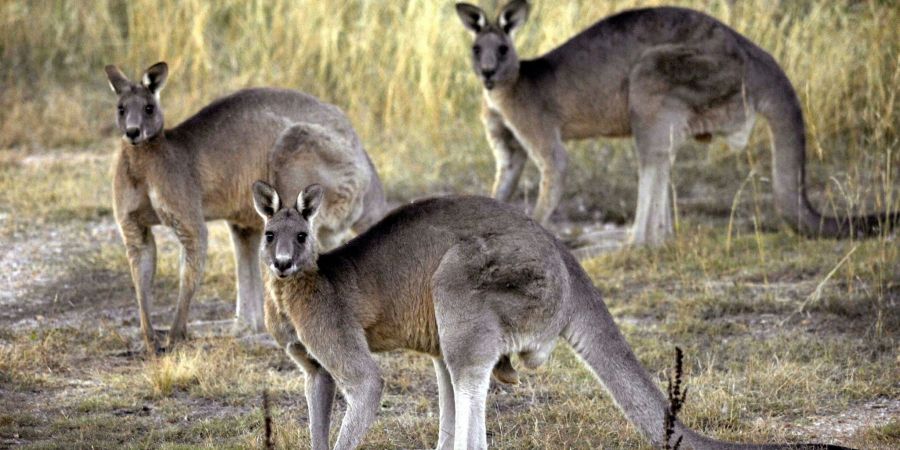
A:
x,y
292,296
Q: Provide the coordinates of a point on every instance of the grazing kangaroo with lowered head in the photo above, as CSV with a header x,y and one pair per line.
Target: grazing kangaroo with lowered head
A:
x,y
662,75
466,280
202,169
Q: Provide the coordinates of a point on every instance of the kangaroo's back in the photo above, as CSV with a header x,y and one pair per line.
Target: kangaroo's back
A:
x,y
586,79
423,230
230,140
256,113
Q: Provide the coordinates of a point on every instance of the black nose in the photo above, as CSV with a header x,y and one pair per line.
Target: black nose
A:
x,y
132,133
488,73
282,264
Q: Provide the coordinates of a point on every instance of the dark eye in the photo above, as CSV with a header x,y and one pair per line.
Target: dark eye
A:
x,y
270,236
149,110
121,110
301,237
476,50
503,50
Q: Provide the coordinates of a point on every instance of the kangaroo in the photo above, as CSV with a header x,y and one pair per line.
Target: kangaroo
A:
x,y
663,75
466,280
201,170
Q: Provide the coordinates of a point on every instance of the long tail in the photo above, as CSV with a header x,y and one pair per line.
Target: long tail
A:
x,y
778,103
596,338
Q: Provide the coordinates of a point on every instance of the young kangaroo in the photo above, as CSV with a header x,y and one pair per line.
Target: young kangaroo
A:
x,y
202,169
662,75
466,280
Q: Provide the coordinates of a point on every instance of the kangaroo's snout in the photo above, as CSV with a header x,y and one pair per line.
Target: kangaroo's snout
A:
x,y
282,264
132,133
488,76
283,267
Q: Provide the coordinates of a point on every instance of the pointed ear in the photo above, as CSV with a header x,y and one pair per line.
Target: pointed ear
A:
x,y
309,200
473,17
265,200
155,77
117,80
513,15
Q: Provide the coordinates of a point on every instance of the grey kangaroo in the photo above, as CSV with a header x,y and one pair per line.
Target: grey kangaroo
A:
x,y
662,75
202,170
466,280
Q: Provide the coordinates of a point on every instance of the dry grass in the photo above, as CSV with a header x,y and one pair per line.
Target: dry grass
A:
x,y
775,328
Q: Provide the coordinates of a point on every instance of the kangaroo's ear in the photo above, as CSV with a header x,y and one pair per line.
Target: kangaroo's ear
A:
x,y
155,77
265,200
309,200
117,80
473,17
513,15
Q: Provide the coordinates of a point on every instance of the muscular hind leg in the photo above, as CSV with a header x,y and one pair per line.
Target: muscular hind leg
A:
x,y
657,140
470,338
445,405
249,309
667,87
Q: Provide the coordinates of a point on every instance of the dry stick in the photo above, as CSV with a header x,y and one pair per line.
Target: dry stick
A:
x,y
816,294
676,401
267,420
734,205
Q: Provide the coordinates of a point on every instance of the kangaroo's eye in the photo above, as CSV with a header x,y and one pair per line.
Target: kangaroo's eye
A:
x,y
503,50
149,110
301,237
270,236
121,110
476,50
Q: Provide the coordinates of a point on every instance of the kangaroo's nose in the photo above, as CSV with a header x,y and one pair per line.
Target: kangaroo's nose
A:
x,y
488,73
282,264
132,132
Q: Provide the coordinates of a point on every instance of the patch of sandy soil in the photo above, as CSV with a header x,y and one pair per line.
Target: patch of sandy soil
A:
x,y
46,280
34,265
832,428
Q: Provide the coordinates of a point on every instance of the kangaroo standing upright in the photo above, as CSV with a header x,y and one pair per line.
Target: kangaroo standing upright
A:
x,y
662,75
201,170
467,280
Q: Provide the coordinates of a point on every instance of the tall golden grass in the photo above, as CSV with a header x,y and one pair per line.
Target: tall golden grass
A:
x,y
400,70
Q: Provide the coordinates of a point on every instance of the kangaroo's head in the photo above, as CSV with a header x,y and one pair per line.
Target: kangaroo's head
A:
x,y
493,53
138,115
287,246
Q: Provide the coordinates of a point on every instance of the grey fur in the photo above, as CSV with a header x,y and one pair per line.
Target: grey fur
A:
x,y
663,75
202,170
466,280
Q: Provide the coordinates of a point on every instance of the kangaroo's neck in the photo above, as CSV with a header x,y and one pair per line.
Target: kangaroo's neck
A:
x,y
155,148
534,77
298,292
502,97
145,158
